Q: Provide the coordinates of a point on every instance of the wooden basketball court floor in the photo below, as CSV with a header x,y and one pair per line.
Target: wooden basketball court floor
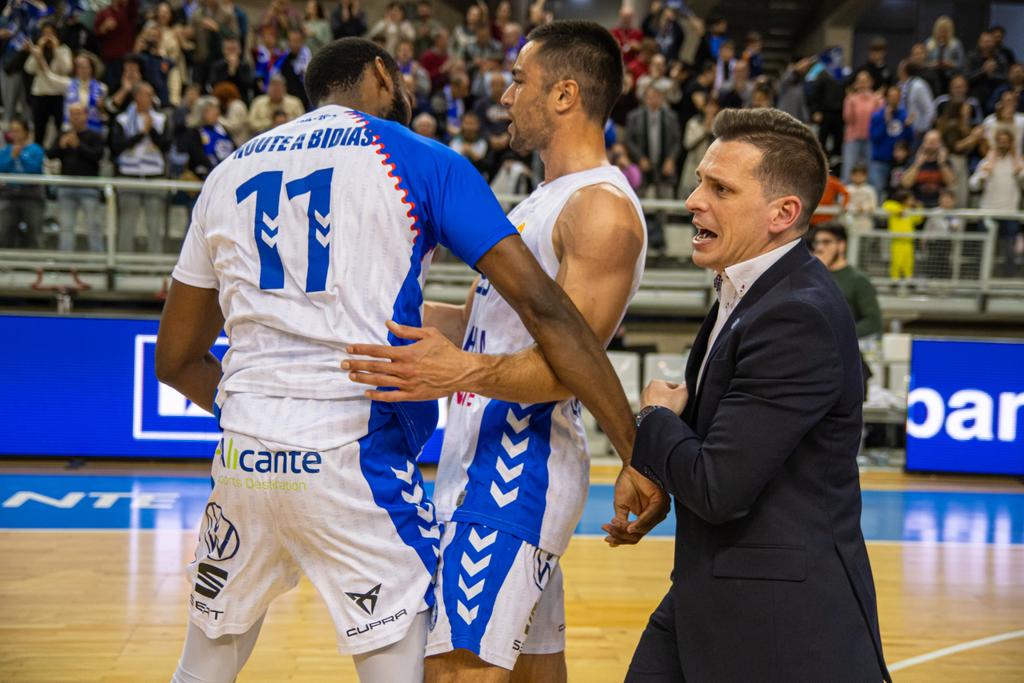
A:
x,y
92,586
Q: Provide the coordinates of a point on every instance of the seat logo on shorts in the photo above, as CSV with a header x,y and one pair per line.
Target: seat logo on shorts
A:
x,y
362,598
210,580
219,534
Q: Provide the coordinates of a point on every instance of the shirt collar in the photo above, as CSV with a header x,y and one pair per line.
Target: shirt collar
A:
x,y
743,275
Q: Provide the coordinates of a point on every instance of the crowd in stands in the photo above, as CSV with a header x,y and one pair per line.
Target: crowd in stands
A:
x,y
148,89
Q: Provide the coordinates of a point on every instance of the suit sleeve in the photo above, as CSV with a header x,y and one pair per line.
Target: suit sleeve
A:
x,y
787,376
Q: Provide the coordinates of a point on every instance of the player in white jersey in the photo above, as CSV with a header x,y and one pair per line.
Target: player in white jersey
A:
x,y
514,469
309,237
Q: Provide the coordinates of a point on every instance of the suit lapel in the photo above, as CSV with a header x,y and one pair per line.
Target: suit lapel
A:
x,y
693,361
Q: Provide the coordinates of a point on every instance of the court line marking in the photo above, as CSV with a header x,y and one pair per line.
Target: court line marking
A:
x,y
955,649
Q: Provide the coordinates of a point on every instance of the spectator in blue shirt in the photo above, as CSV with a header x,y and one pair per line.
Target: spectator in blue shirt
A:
x,y
888,126
21,206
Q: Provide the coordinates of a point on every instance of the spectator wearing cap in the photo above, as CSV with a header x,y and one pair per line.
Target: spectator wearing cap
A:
x,y
348,20
261,113
139,138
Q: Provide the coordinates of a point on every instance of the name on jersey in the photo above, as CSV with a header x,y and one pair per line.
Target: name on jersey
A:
x,y
321,138
269,462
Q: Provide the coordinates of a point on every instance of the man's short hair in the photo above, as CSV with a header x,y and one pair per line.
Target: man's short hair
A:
x,y
833,228
792,160
585,52
339,65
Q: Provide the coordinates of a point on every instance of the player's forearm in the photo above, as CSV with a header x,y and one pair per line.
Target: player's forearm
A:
x,y
450,319
523,377
196,379
581,365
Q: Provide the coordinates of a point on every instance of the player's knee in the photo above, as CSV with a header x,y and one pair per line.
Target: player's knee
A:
x,y
462,665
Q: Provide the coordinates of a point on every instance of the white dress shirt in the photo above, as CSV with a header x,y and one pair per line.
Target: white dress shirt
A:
x,y
736,281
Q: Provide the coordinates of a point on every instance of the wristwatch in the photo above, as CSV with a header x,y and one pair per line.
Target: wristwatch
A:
x,y
645,412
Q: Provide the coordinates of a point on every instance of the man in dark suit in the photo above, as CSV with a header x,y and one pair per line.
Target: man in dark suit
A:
x,y
654,139
771,580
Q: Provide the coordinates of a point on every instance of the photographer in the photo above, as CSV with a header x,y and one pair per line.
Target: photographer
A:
x,y
931,172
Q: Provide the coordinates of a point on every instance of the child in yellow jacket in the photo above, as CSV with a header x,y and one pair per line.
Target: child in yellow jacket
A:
x,y
901,250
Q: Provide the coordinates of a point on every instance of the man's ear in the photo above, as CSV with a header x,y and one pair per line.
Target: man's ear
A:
x,y
567,93
785,213
380,72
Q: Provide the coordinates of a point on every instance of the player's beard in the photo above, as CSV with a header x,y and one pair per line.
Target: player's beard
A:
x,y
400,110
534,135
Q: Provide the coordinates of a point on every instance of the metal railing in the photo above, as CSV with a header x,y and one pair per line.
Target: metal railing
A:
x,y
957,263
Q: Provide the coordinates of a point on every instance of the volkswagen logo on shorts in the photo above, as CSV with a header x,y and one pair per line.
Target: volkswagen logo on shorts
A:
x,y
219,534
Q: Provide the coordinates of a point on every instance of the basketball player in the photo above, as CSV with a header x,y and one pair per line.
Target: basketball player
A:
x,y
514,469
308,237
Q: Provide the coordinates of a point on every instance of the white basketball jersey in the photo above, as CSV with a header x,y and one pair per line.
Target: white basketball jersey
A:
x,y
315,234
521,468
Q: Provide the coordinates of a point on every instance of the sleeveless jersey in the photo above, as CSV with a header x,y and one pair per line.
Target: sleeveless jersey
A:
x,y
521,468
315,234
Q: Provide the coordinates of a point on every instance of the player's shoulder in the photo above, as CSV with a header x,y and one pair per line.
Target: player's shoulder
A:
x,y
606,203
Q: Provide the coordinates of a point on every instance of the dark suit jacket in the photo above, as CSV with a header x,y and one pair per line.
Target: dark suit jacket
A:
x,y
771,579
638,137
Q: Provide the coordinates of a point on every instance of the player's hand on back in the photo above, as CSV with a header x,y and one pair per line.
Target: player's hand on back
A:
x,y
429,368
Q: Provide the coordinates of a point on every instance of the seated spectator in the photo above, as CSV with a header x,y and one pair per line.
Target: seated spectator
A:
x,y
930,173
131,77
393,28
657,77
234,69
138,140
829,242
79,150
1015,84
859,106
426,125
945,52
263,107
697,137
407,65
888,127
987,69
21,205
315,26
233,114
619,157
835,195
959,91
207,142
48,94
470,144
999,178
1006,117
862,202
901,249
348,20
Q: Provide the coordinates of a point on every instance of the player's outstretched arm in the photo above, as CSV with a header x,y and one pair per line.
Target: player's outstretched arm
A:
x,y
190,323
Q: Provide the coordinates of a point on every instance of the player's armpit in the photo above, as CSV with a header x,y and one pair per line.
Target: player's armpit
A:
x,y
598,238
190,323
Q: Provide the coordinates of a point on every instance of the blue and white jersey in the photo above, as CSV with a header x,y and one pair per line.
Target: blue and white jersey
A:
x,y
315,234
519,467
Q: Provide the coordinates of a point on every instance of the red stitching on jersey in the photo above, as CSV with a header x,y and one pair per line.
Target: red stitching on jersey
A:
x,y
385,160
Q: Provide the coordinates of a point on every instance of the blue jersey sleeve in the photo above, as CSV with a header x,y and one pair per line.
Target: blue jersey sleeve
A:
x,y
468,217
